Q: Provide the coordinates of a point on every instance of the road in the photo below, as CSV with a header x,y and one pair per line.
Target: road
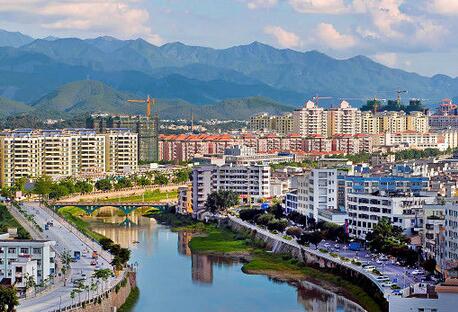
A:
x,y
399,274
66,239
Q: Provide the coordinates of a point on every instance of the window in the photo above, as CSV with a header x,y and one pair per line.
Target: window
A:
x,y
24,250
37,251
12,250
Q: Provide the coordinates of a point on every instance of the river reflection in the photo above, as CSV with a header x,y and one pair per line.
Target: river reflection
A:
x,y
172,278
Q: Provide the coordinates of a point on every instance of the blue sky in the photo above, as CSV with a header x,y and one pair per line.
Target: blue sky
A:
x,y
415,35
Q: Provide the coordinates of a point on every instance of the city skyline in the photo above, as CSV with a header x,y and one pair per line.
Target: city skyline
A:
x,y
415,36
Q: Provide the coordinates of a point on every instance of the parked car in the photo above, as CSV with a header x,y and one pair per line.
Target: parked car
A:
x,y
369,268
387,284
382,278
337,246
327,245
416,272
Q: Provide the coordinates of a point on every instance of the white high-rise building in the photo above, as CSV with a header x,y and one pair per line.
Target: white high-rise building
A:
x,y
251,183
344,119
317,191
310,120
451,232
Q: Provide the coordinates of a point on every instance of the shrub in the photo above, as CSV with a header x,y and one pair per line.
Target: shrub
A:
x,y
294,231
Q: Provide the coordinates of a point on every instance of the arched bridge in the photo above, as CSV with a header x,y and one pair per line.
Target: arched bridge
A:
x,y
90,207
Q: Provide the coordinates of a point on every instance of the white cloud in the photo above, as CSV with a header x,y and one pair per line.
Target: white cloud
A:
x,y
319,6
389,59
284,38
260,4
121,18
330,37
444,7
386,15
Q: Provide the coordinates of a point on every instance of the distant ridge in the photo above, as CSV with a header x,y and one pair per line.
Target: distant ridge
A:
x,y
202,75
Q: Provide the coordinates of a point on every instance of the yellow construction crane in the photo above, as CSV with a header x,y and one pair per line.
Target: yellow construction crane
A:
x,y
149,102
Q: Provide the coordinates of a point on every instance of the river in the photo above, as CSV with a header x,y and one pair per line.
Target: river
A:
x,y
172,278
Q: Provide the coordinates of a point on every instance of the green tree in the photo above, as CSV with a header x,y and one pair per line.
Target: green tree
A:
x,y
83,187
43,186
161,179
123,182
277,225
66,260
8,299
429,265
277,210
181,176
314,238
58,191
220,201
249,214
143,181
103,185
103,274
264,219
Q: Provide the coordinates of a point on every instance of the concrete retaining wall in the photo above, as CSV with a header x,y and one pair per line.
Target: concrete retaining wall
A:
x,y
110,300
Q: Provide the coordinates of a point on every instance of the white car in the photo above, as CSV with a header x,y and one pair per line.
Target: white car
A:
x,y
337,246
382,278
369,268
416,272
327,245
387,284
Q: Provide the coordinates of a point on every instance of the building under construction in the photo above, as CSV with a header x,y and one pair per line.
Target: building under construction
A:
x,y
146,128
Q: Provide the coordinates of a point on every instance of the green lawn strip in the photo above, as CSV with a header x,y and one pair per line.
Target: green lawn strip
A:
x,y
72,215
8,221
131,301
150,196
216,240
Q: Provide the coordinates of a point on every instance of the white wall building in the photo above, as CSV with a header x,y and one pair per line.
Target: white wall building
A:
x,y
251,183
17,253
310,119
401,209
316,191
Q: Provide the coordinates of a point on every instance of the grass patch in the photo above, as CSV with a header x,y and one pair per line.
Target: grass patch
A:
x,y
218,240
8,221
131,301
72,215
149,196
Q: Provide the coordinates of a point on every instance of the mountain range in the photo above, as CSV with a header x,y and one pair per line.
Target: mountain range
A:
x,y
33,70
87,96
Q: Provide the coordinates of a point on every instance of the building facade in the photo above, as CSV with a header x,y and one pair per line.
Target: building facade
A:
x,y
19,257
64,153
316,191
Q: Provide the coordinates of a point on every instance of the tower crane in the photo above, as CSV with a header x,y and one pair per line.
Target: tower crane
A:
x,y
316,98
149,102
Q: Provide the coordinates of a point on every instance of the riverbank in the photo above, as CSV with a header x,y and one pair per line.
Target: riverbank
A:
x,y
210,239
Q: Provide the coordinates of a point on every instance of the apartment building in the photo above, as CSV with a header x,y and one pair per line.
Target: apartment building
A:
x,y
146,128
21,257
120,147
281,124
344,119
310,120
401,209
418,122
451,233
184,205
64,153
251,183
316,191
433,231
